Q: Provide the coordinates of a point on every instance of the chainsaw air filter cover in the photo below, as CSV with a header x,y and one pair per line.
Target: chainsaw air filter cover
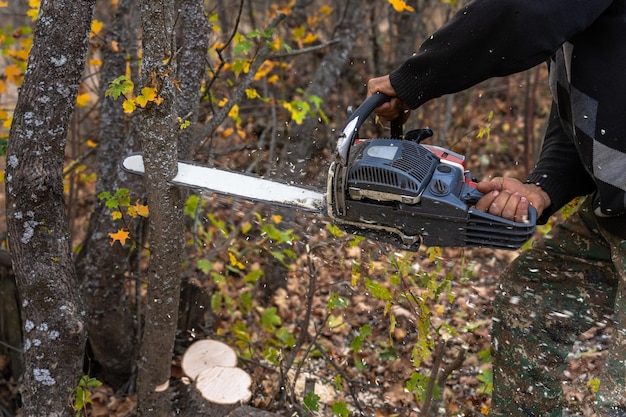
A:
x,y
390,170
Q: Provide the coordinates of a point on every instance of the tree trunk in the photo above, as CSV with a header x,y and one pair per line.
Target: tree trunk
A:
x,y
52,311
194,42
159,145
304,138
102,267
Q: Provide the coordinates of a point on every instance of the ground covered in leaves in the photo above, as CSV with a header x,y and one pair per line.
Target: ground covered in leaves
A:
x,y
328,322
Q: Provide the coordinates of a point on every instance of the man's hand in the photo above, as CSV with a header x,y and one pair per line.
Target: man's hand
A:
x,y
392,109
510,198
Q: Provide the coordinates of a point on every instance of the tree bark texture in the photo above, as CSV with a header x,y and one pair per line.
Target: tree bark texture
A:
x,y
159,145
52,312
194,31
103,267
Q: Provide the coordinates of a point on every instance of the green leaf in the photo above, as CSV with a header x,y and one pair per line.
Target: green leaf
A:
x,y
242,47
122,85
216,301
357,342
104,195
204,265
486,379
335,230
253,276
340,409
377,290
311,401
278,236
335,300
286,336
338,382
270,319
191,205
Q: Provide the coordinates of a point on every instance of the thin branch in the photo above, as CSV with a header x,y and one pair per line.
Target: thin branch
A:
x,y
260,57
303,51
6,345
430,389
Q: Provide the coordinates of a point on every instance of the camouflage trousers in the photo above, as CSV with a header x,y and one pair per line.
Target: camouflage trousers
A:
x,y
567,282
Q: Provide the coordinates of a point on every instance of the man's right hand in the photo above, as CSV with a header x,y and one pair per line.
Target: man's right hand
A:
x,y
509,198
392,109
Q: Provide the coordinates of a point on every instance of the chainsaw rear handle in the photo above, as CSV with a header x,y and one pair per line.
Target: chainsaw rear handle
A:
x,y
471,196
351,129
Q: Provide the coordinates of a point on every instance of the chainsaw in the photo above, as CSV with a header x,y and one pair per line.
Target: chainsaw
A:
x,y
393,189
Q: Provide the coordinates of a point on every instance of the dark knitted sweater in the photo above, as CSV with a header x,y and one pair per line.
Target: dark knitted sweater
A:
x,y
584,41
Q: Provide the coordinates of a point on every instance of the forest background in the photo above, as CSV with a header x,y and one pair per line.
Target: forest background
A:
x,y
107,278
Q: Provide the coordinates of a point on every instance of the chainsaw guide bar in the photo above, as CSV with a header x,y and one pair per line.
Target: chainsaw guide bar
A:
x,y
391,189
224,182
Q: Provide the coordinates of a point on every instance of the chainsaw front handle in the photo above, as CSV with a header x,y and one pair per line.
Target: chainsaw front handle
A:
x,y
356,119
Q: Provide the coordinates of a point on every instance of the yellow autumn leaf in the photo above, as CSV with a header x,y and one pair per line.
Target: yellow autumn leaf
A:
x,y
3,87
234,261
223,102
433,253
234,112
401,6
228,132
34,9
273,79
129,106
120,236
2,176
327,10
116,215
277,218
141,209
265,68
309,38
4,4
82,100
251,93
91,143
94,62
13,73
20,54
149,93
141,101
96,27
7,123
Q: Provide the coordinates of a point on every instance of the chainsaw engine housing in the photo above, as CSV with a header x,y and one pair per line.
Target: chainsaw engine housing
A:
x,y
410,194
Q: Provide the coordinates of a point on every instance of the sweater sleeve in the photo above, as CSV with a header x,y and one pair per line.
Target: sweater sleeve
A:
x,y
559,171
490,38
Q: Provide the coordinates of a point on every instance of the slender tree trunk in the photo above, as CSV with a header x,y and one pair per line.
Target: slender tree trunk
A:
x,y
52,312
103,267
159,145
